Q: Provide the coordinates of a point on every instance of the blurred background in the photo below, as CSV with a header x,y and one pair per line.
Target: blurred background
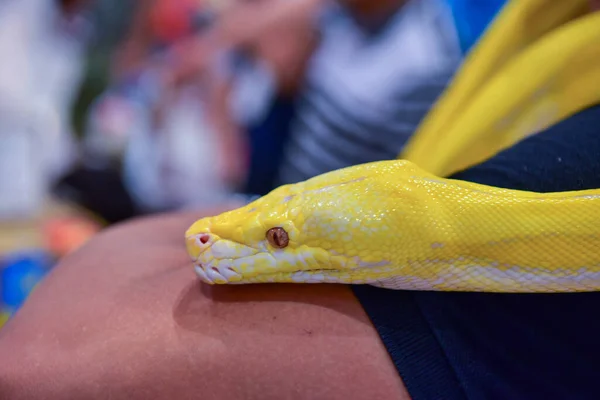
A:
x,y
114,109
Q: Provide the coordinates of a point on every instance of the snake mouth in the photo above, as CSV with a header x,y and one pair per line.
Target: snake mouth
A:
x,y
218,274
212,275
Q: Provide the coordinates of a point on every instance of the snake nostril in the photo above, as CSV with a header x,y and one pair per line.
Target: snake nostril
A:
x,y
204,239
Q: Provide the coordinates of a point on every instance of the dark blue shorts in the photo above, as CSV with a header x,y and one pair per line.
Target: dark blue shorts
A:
x,y
503,346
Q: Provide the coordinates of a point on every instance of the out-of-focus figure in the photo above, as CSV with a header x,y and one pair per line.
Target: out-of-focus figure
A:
x,y
378,68
156,124
42,47
361,74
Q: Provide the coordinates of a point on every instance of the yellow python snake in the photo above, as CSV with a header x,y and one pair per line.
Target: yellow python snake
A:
x,y
401,224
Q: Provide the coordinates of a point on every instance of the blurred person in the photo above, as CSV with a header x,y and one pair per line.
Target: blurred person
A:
x,y
265,73
253,62
177,105
145,131
378,68
171,129
42,47
94,182
360,76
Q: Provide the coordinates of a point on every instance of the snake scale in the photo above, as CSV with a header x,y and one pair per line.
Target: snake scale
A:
x,y
401,224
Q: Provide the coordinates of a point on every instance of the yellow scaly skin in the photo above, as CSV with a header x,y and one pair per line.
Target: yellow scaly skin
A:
x,y
393,225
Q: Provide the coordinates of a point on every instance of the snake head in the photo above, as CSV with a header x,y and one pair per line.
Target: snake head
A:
x,y
319,230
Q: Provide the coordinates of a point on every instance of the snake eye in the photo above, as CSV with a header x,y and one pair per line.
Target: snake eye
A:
x,y
278,237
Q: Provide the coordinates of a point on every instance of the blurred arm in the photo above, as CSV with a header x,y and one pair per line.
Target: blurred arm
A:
x,y
126,318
